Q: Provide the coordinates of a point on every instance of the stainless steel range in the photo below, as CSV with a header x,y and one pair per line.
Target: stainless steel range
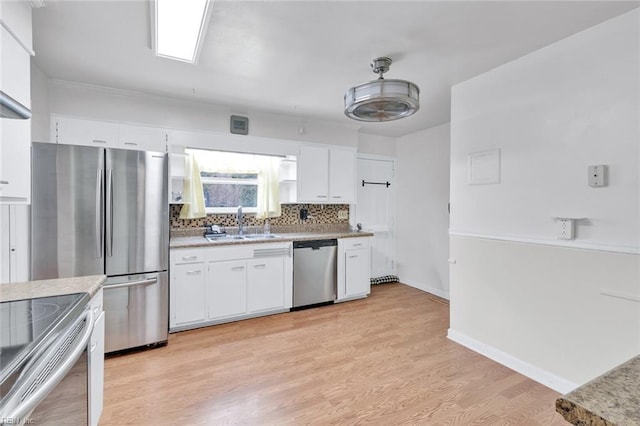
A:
x,y
43,359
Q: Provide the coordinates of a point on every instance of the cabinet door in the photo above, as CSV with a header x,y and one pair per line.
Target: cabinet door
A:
x,y
357,280
313,175
96,371
188,293
74,131
15,135
15,78
342,176
265,283
142,138
15,161
227,288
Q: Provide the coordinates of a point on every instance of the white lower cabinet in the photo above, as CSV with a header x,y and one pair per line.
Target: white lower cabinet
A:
x,y
239,281
265,284
227,288
96,360
187,291
354,268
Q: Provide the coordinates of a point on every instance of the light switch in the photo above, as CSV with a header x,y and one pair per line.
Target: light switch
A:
x,y
597,175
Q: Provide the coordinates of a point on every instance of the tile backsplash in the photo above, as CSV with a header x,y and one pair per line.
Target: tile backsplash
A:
x,y
319,214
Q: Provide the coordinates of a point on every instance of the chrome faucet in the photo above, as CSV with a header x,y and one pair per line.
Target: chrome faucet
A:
x,y
239,217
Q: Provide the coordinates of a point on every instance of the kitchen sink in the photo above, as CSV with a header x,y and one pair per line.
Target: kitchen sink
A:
x,y
260,236
213,239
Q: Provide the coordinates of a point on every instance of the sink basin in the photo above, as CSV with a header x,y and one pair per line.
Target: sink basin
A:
x,y
242,237
259,236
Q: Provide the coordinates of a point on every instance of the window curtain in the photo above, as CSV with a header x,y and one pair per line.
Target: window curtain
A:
x,y
268,188
192,194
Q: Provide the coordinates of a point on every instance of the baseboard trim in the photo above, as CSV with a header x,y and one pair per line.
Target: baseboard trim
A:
x,y
550,380
435,291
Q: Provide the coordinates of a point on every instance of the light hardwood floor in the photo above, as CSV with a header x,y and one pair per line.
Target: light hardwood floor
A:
x,y
384,360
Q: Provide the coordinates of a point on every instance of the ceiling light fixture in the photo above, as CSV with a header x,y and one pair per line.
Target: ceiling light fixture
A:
x,y
179,28
382,100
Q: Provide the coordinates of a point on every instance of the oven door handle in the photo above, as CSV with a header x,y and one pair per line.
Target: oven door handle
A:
x,y
25,408
131,284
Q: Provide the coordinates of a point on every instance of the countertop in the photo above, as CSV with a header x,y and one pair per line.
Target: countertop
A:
x,y
56,287
199,241
610,399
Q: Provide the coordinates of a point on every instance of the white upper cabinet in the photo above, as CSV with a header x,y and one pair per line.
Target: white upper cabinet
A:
x,y
15,134
142,138
313,175
15,78
342,176
76,131
326,175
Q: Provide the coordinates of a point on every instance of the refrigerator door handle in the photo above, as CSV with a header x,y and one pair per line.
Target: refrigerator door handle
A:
x,y
99,218
109,213
131,284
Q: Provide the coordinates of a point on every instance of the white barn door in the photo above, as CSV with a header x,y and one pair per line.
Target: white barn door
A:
x,y
375,211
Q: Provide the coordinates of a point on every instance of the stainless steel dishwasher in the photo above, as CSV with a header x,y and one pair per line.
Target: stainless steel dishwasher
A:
x,y
314,272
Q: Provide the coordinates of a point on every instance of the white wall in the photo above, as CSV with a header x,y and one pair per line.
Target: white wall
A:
x,y
552,113
40,119
517,294
422,193
79,100
376,144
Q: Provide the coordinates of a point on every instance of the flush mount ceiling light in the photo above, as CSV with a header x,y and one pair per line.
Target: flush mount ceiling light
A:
x,y
382,100
179,28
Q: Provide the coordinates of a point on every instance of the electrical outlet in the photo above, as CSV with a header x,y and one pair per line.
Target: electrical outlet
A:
x,y
343,214
597,175
565,229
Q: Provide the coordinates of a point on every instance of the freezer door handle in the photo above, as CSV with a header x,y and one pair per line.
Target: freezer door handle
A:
x,y
109,213
132,284
99,217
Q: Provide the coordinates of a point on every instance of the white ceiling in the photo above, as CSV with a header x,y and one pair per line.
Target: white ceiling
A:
x,y
299,57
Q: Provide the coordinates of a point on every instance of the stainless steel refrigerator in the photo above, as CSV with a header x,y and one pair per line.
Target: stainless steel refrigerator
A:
x,y
104,211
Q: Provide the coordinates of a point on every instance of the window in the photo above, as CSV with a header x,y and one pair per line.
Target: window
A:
x,y
231,179
224,192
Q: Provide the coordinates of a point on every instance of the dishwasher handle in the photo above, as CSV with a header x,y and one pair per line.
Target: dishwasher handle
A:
x,y
314,244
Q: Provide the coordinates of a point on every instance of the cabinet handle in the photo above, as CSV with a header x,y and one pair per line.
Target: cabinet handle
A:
x,y
356,245
238,268
99,141
131,143
352,256
189,257
194,272
262,265
321,196
4,182
336,196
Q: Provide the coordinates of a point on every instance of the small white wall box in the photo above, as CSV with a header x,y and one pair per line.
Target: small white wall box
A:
x,y
565,228
597,175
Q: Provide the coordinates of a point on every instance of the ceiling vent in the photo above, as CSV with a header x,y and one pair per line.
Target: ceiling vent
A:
x,y
382,100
